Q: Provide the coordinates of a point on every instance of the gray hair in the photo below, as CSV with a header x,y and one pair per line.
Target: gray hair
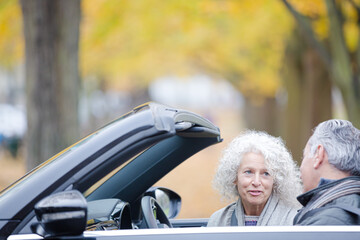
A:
x,y
278,161
341,141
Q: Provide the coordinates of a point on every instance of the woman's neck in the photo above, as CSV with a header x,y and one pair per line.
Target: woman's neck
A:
x,y
253,210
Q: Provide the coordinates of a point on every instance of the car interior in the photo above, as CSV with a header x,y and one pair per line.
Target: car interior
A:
x,y
135,203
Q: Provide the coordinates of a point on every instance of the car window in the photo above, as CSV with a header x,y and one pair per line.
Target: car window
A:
x,y
192,180
109,175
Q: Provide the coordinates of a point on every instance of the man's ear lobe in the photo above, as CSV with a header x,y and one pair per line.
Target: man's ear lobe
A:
x,y
319,156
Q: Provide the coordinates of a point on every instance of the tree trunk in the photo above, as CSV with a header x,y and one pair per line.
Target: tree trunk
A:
x,y
51,30
308,88
262,116
342,69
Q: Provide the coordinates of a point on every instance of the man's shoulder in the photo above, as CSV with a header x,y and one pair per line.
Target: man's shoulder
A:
x,y
329,216
341,211
345,203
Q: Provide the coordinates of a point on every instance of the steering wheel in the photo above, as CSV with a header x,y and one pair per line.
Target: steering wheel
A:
x,y
152,212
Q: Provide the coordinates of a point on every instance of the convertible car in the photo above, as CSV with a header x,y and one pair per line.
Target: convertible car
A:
x,y
102,186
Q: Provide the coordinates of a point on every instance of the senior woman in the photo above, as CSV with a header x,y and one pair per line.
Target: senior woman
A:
x,y
259,173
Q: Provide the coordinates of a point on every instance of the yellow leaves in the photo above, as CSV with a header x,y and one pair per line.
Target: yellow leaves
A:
x,y
144,34
316,10
351,28
253,47
11,41
351,32
310,8
321,27
132,42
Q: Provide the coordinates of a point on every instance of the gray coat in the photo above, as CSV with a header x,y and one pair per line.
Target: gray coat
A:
x,y
274,213
333,212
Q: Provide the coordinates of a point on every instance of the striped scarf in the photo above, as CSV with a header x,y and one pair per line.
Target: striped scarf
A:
x,y
344,188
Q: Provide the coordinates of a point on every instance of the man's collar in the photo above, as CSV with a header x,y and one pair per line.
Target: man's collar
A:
x,y
323,184
325,181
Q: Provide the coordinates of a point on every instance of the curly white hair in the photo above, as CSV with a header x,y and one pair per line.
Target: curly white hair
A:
x,y
278,161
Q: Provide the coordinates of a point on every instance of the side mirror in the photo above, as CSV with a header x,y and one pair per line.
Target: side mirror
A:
x,y
169,200
61,214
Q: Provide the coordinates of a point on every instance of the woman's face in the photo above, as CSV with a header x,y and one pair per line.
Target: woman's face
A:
x,y
254,183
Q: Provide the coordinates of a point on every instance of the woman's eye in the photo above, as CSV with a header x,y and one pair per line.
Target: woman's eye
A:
x,y
266,174
247,172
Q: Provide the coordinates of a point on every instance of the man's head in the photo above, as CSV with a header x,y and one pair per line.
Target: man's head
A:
x,y
333,152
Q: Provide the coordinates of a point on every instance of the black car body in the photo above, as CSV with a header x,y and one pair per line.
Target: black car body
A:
x,y
104,182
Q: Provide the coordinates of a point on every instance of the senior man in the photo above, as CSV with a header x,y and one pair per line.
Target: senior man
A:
x,y
330,171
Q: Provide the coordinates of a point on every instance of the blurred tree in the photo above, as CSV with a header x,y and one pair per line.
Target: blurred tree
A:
x,y
128,45
132,43
51,30
308,90
332,27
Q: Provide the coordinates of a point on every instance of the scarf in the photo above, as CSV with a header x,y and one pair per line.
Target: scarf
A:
x,y
344,188
274,213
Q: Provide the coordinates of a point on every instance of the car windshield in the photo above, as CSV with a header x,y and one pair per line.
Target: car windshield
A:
x,y
47,163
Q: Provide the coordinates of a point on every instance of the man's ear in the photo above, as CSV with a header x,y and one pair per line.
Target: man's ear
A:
x,y
319,156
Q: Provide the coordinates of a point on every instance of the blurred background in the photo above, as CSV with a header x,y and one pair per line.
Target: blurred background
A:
x,y
68,67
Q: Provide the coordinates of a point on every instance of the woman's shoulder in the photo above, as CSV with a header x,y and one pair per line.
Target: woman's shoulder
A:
x,y
222,216
279,213
288,212
290,209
